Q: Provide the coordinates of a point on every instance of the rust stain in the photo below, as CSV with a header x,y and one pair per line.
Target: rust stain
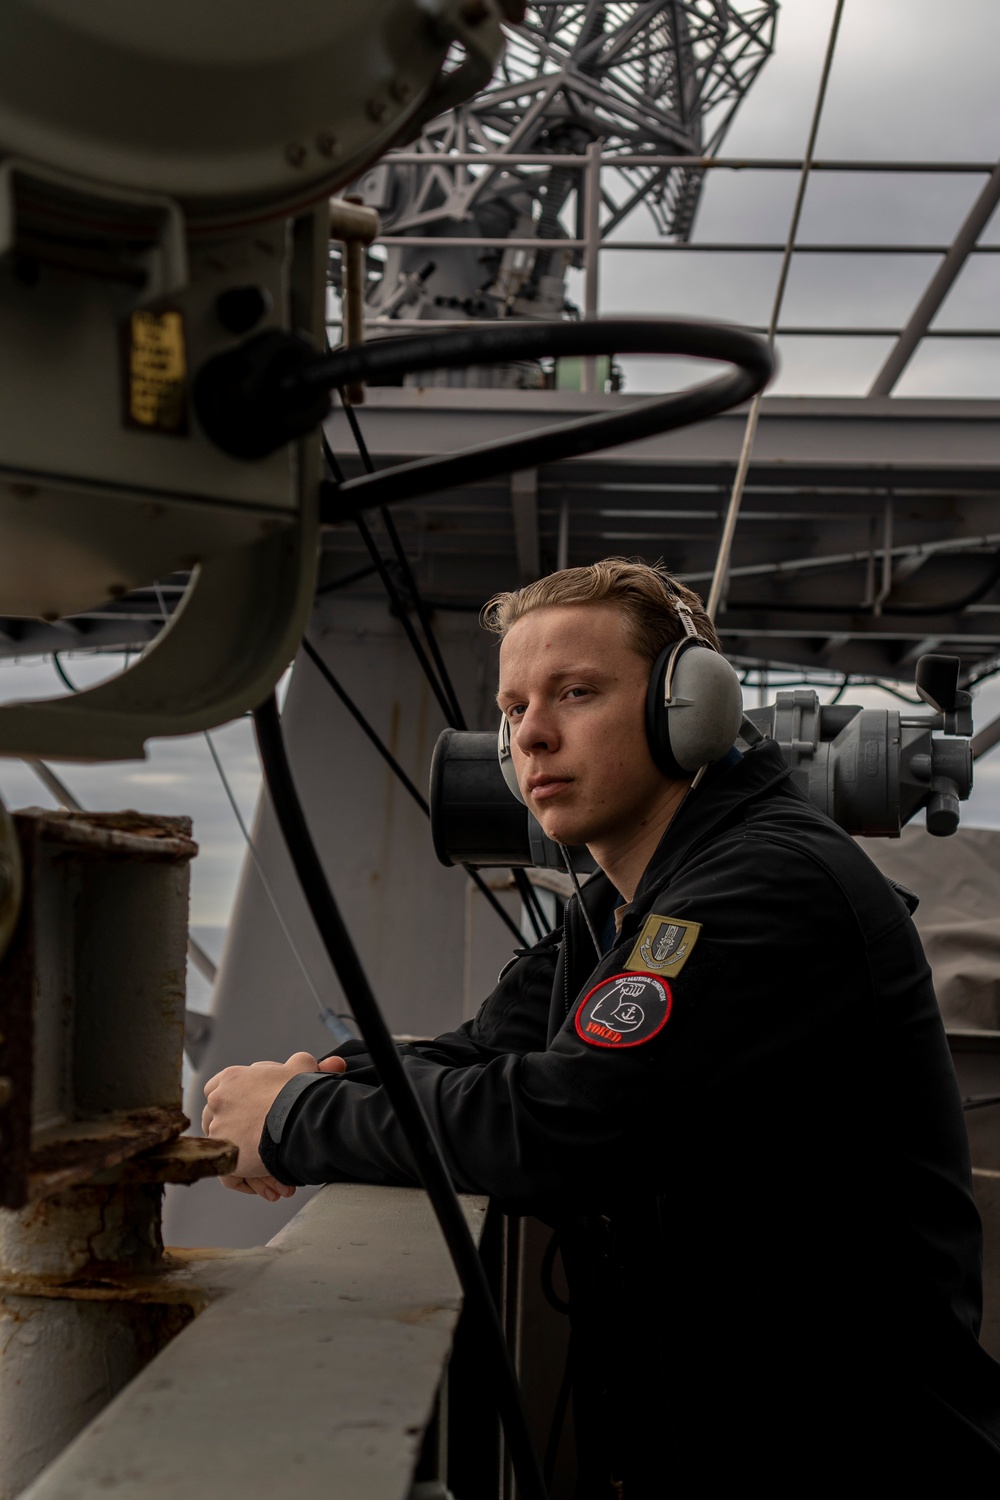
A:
x,y
185,1159
75,1154
418,1315
169,1285
187,1258
107,1284
139,835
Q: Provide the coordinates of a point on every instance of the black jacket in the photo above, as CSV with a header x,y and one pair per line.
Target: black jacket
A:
x,y
745,1122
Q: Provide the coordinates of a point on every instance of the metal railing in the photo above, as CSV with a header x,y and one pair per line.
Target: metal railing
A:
x,y
592,245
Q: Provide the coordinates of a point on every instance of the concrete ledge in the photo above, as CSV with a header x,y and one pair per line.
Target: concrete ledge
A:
x,y
315,1376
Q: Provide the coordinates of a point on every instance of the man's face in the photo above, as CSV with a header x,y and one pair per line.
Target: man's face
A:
x,y
574,693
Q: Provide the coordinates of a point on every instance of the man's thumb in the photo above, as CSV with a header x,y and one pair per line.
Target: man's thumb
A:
x,y
302,1062
332,1065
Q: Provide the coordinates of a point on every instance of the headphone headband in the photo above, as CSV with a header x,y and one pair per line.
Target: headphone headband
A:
x,y
506,759
687,620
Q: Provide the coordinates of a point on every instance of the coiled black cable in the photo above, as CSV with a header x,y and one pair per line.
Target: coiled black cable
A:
x,y
272,388
409,1111
387,358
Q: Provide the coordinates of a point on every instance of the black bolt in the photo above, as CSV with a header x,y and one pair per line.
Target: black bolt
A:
x,y
241,307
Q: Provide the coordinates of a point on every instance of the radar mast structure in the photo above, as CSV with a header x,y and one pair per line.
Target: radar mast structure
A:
x,y
647,77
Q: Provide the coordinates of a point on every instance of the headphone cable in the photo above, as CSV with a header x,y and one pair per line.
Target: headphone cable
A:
x,y
568,863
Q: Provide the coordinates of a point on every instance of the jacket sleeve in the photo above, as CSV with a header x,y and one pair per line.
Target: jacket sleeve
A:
x,y
453,1049
567,1122
512,1019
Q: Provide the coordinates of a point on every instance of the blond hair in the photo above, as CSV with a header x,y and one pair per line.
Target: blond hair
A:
x,y
646,595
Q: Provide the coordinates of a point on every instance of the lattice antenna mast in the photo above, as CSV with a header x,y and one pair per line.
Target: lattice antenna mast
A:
x,y
660,77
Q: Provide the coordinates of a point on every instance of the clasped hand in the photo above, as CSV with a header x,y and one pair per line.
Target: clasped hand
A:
x,y
238,1100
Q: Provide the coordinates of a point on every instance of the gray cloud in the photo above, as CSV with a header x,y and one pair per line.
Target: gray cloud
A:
x,y
908,81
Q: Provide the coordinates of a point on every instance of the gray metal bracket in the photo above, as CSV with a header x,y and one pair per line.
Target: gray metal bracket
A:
x,y
234,633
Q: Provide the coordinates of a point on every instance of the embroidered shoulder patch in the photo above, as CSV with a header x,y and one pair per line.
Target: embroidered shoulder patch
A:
x,y
624,1011
664,945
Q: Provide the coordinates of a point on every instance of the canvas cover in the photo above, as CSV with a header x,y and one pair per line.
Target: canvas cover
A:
x,y
958,882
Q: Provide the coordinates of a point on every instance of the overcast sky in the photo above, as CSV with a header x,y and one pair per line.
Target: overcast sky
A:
x,y
911,79
907,82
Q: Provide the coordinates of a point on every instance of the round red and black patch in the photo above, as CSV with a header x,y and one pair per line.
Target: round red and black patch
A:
x,y
624,1011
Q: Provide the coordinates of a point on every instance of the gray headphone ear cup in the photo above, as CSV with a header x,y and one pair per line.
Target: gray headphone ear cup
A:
x,y
506,759
706,708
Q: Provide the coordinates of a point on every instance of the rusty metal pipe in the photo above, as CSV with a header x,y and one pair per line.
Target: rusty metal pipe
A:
x,y
91,1015
65,1352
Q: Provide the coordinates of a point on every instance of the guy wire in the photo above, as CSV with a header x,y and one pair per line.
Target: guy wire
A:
x,y
407,572
338,1030
394,765
61,670
443,689
444,703
750,432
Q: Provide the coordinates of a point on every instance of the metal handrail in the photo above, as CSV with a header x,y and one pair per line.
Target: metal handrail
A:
x,y
592,245
793,331
711,247
701,163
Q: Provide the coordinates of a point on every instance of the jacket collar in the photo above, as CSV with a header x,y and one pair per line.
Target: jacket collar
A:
x,y
721,796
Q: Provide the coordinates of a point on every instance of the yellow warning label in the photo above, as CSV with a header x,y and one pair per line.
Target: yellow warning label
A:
x,y
156,396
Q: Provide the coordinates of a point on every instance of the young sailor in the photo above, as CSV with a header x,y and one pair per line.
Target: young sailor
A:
x,y
740,1111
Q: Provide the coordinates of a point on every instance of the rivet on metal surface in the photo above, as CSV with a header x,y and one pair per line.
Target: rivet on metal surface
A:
x,y
295,153
327,144
400,90
377,108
